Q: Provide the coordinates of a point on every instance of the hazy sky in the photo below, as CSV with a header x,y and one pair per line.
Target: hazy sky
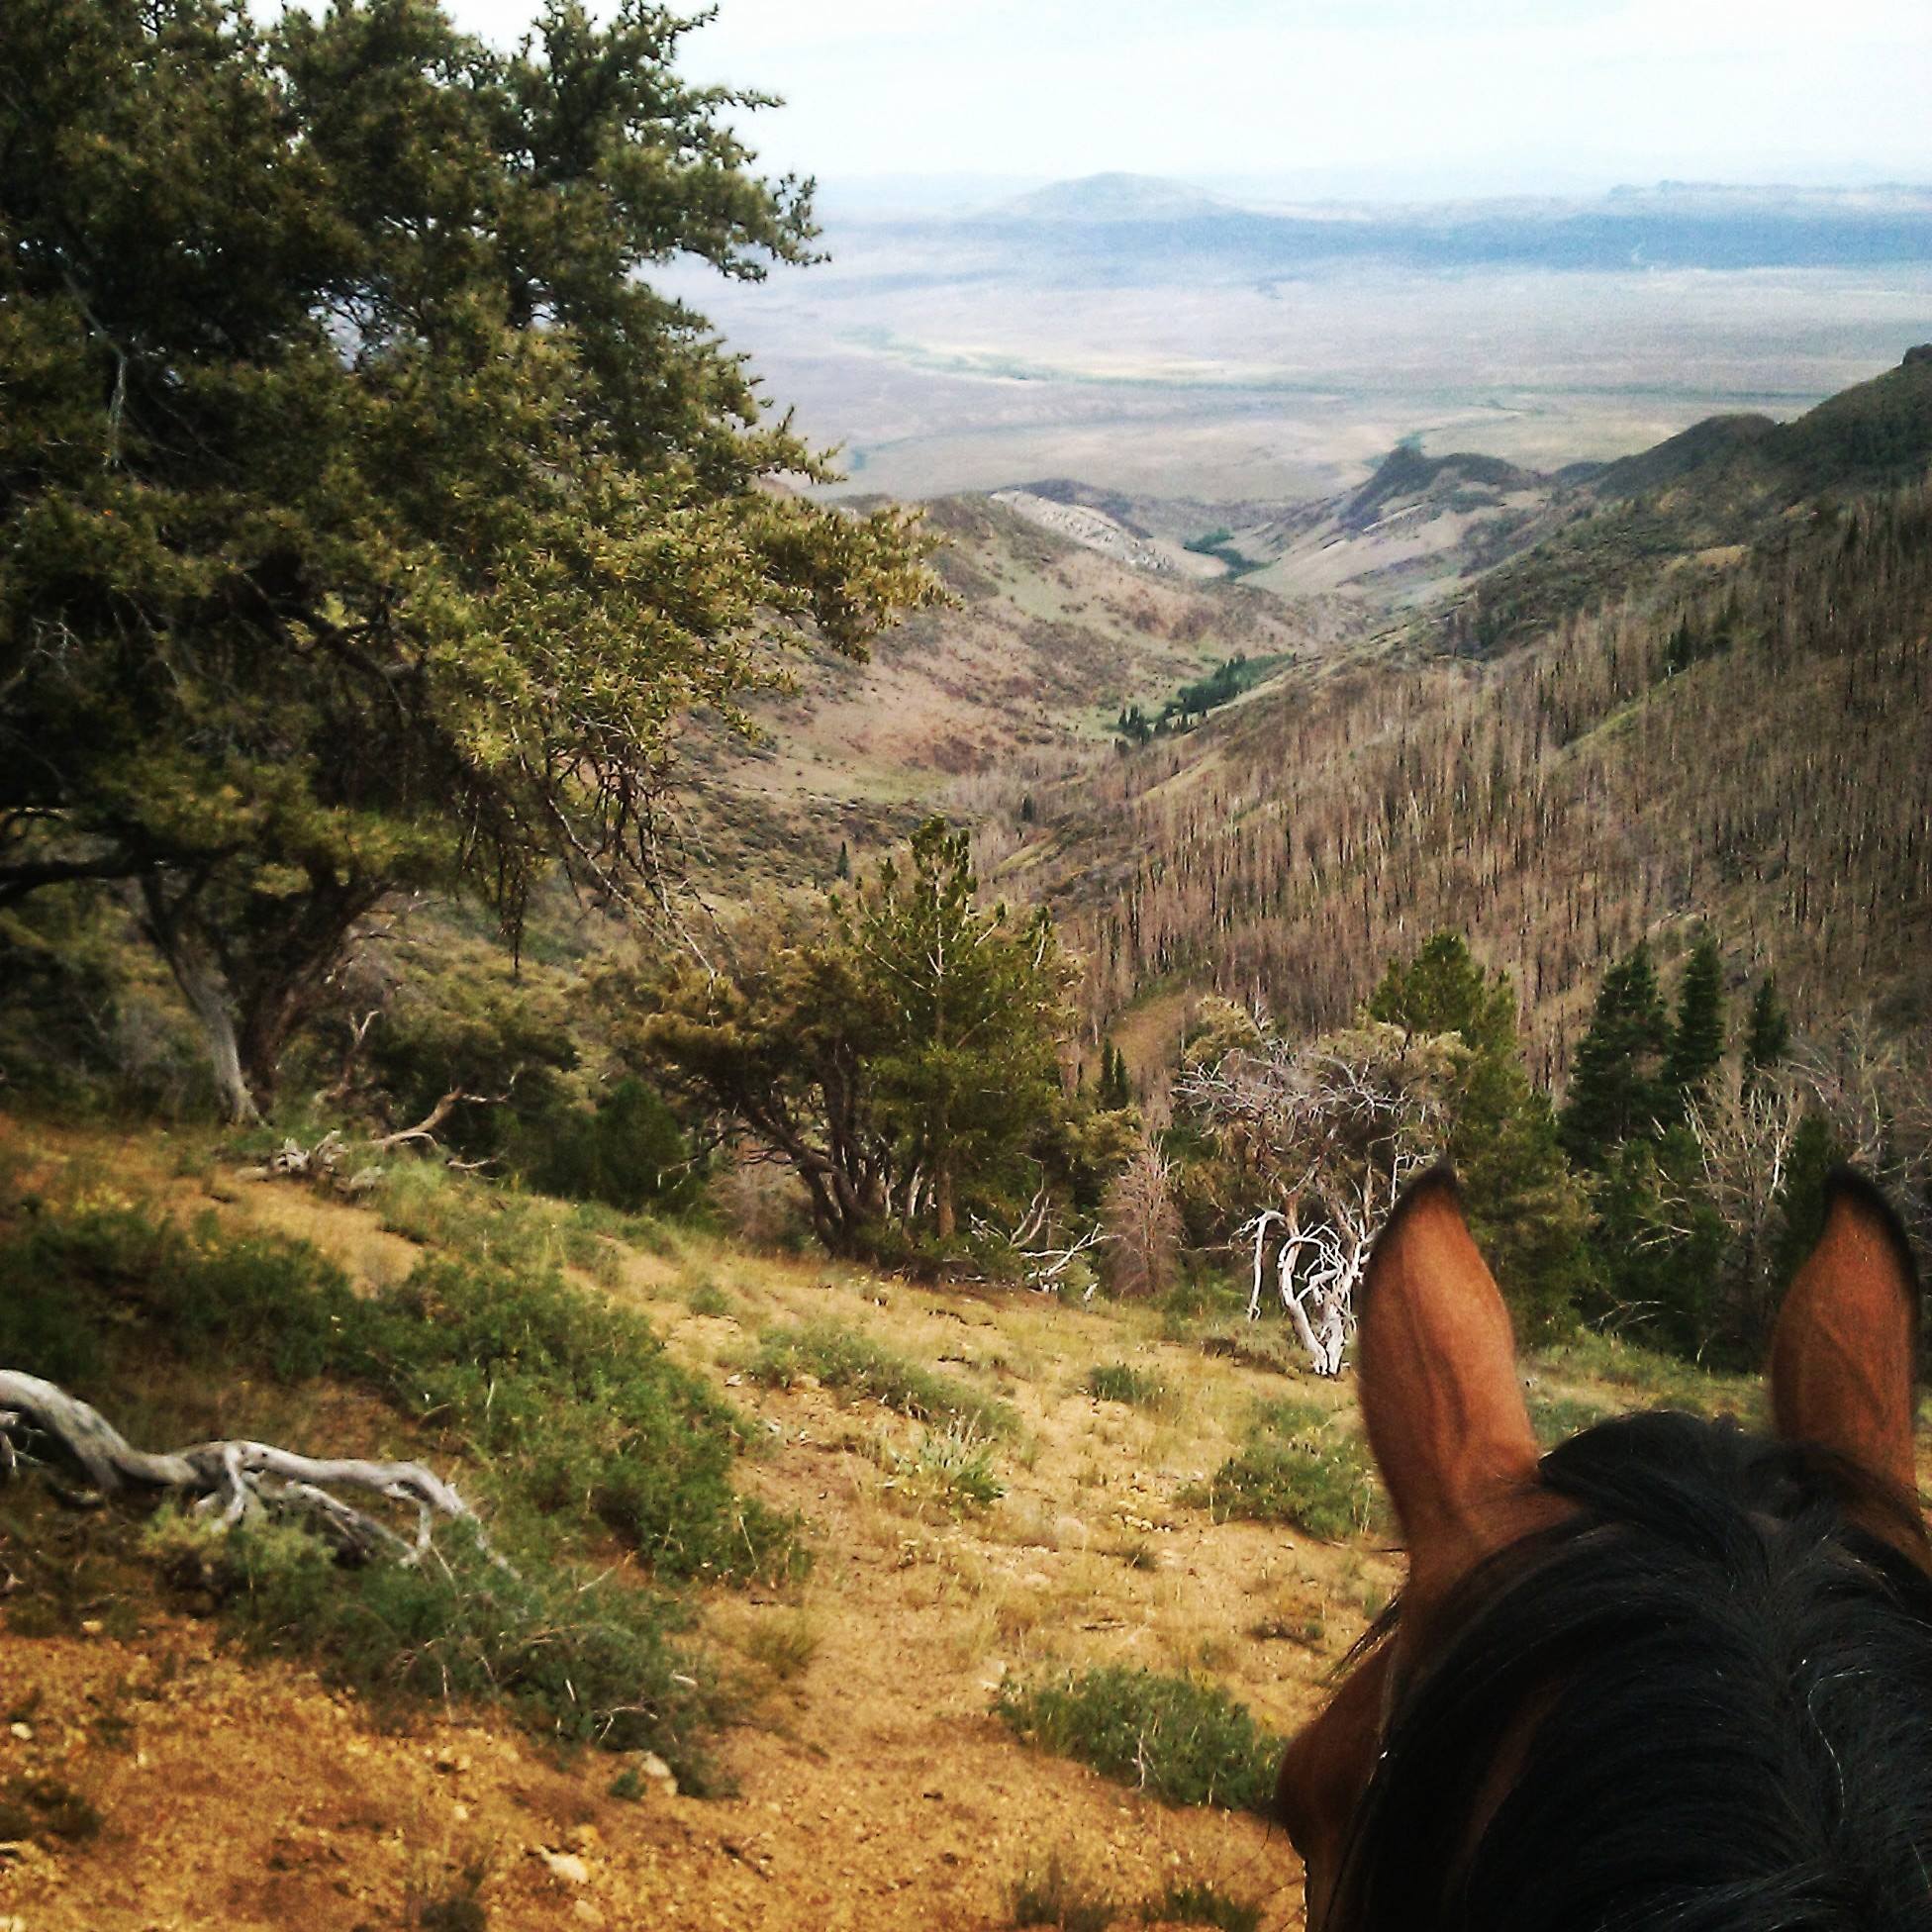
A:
x,y
1473,94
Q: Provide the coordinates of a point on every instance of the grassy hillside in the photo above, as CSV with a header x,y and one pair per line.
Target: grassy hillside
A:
x,y
1021,1526
1724,481
1048,640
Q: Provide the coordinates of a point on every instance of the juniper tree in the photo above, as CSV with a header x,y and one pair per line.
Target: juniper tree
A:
x,y
367,518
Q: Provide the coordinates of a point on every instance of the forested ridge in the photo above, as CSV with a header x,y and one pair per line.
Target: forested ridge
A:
x,y
1756,751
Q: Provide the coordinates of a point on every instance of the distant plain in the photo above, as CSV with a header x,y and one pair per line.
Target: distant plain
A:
x,y
948,356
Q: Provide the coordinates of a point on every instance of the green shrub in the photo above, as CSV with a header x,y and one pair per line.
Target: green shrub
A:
x,y
584,1657
840,1358
951,1467
574,1422
1297,1466
1119,1382
1196,1903
626,1151
1199,1296
70,1273
578,1402
1185,1742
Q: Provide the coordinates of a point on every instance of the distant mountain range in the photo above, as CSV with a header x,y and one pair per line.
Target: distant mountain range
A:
x,y
1114,198
1672,225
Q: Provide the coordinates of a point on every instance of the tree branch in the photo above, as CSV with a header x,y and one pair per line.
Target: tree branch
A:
x,y
237,1479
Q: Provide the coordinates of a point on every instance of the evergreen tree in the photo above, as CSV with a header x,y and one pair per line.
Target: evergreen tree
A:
x,y
1617,1092
1656,1273
898,1048
1116,1094
1524,1207
1816,1151
1768,1036
1697,1041
368,521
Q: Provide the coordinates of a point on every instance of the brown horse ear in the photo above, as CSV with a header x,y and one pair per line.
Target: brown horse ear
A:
x,y
1437,1371
1846,1344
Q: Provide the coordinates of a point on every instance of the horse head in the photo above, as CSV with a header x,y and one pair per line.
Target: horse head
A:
x,y
1669,1674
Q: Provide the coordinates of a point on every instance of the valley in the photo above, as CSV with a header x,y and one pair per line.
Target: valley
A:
x,y
1480,665
816,1008
1121,333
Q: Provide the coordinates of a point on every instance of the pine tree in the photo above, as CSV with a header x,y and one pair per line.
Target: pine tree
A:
x,y
1524,1207
1769,1036
1802,1207
899,1046
1615,1091
1116,1094
1698,1042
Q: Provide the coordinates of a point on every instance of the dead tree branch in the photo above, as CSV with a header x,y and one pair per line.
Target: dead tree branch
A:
x,y
229,1483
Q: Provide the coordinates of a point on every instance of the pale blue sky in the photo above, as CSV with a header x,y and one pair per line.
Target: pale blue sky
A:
x,y
1340,96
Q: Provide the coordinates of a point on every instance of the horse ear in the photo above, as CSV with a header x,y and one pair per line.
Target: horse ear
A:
x,y
1437,1371
1846,1344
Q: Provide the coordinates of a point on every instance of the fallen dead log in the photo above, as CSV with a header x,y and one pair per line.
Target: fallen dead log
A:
x,y
230,1482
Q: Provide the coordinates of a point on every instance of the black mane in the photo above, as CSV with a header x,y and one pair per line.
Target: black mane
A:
x,y
1719,1688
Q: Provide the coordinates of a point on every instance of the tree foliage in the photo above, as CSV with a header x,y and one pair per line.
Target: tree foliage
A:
x,y
1697,1038
1525,1209
1617,1088
1768,1033
368,519
898,1048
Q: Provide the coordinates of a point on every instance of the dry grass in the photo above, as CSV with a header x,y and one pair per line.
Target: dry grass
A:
x,y
1088,1559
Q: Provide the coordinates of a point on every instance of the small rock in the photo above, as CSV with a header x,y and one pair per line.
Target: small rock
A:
x,y
24,1732
659,1773
588,1914
566,1866
91,1626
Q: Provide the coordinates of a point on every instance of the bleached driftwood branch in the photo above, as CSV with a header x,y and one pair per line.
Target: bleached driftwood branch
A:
x,y
229,1480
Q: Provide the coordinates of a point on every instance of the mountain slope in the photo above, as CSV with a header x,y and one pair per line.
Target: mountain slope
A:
x,y
1726,481
1022,679
1758,753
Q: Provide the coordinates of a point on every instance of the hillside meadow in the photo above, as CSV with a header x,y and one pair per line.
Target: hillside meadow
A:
x,y
996,1528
